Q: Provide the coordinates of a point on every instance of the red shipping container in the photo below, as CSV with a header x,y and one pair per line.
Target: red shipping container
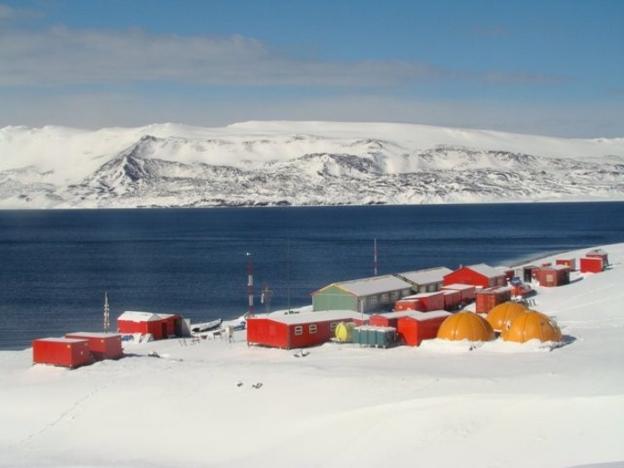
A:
x,y
65,352
557,275
101,345
414,328
467,291
407,304
428,301
452,299
592,265
600,254
389,319
487,299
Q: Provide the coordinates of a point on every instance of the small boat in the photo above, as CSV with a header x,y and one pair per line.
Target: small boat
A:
x,y
206,326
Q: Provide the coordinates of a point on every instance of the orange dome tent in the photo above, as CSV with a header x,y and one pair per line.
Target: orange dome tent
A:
x,y
531,325
466,326
504,313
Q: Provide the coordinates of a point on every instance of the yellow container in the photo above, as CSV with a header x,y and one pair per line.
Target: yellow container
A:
x,y
344,332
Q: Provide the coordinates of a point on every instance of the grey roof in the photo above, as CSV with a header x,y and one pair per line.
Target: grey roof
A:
x,y
428,276
374,285
486,270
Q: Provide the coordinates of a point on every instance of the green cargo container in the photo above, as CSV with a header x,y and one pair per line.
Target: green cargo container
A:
x,y
374,337
385,337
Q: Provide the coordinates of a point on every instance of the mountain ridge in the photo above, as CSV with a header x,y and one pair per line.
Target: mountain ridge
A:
x,y
298,163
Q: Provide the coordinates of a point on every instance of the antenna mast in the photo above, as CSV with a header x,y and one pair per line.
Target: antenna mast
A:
x,y
106,313
375,262
250,290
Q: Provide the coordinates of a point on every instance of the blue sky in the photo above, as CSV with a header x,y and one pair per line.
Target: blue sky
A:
x,y
548,67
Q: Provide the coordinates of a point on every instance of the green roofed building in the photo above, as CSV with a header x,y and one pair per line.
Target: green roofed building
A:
x,y
361,295
377,292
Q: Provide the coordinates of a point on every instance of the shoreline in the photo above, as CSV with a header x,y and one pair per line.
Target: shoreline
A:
x,y
290,206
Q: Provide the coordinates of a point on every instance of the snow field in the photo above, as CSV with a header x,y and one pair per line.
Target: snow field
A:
x,y
497,405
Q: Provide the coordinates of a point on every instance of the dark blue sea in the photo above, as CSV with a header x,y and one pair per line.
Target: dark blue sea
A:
x,y
56,265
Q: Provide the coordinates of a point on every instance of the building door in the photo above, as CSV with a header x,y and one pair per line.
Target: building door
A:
x,y
163,326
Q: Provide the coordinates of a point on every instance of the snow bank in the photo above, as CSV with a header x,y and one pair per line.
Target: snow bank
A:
x,y
444,405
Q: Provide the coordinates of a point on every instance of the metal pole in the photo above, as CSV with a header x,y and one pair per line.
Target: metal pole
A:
x,y
250,290
106,313
375,263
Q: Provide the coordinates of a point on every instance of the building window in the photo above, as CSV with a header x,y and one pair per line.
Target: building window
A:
x,y
406,292
394,295
299,330
312,329
385,297
372,300
422,288
431,288
332,326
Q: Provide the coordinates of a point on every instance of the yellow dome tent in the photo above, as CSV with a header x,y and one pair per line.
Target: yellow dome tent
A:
x,y
504,313
466,326
344,332
532,325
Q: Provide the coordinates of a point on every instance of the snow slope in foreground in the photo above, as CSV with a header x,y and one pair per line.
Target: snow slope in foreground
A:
x,y
501,405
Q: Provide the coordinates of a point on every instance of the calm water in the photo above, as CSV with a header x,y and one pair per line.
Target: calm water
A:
x,y
56,265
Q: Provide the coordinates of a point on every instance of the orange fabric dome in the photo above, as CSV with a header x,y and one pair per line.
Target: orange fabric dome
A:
x,y
466,326
532,325
504,313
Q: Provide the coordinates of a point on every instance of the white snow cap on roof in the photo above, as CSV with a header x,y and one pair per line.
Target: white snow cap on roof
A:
x,y
79,335
486,270
422,316
374,285
311,317
459,287
135,316
422,295
61,340
428,276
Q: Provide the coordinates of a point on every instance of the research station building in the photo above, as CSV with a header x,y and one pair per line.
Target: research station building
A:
x,y
377,292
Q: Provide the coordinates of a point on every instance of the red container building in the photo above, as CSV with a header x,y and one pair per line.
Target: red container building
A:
x,y
477,275
569,262
161,326
486,299
428,301
390,319
592,265
65,352
452,299
297,330
467,291
600,254
551,276
101,345
407,304
418,326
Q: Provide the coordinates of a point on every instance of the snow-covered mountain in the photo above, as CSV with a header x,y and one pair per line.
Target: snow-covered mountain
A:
x,y
299,163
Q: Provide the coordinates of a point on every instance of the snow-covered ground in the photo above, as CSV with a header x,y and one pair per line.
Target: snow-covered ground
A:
x,y
499,405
